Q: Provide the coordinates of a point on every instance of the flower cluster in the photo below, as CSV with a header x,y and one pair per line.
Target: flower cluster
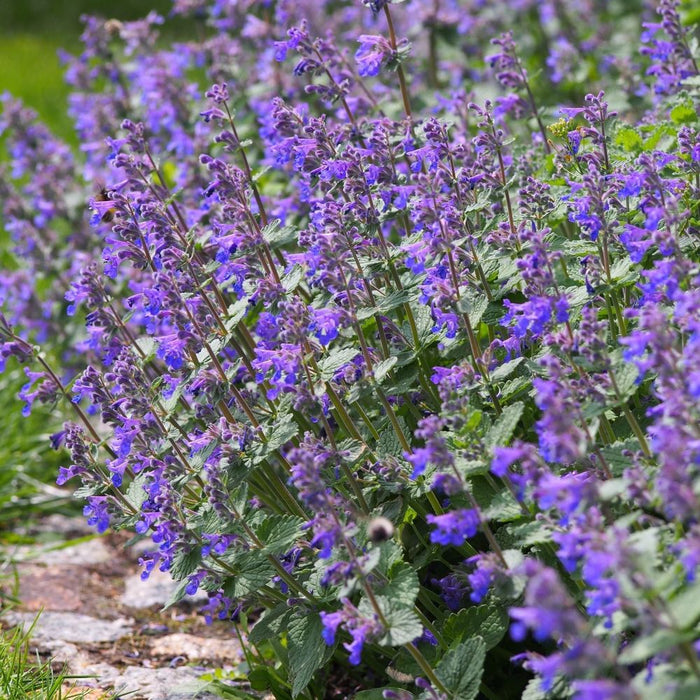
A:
x,y
388,360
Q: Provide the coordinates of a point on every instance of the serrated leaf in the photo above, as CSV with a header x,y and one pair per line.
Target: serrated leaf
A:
x,y
279,532
485,621
236,313
684,113
525,534
388,444
277,235
177,595
171,403
470,467
628,139
403,586
462,667
271,624
503,508
330,364
136,494
254,570
670,681
383,368
506,369
185,562
285,428
404,625
626,377
306,647
474,307
617,455
502,430
559,691
293,278
147,345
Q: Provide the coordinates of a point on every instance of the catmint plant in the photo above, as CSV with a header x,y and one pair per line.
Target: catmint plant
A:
x,y
385,342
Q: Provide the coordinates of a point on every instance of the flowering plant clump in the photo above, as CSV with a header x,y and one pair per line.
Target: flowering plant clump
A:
x,y
389,336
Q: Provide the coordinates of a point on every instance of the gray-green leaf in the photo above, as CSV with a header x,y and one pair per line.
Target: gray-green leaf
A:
x,y
462,667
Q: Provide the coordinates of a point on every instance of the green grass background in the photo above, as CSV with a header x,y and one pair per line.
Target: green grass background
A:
x,y
31,32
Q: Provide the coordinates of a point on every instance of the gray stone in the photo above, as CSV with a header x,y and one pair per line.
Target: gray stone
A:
x,y
192,647
157,589
58,524
71,627
138,683
88,553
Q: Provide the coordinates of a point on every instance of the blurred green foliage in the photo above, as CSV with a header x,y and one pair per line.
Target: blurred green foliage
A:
x,y
63,18
32,31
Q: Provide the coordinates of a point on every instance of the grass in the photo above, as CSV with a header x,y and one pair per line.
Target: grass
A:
x,y
28,465
23,677
30,70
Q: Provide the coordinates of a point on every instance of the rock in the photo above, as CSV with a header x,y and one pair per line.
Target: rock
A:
x,y
157,589
138,683
83,692
57,524
71,627
192,647
89,553
49,589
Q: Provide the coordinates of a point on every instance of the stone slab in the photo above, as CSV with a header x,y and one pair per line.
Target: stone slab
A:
x,y
72,627
192,647
156,590
138,683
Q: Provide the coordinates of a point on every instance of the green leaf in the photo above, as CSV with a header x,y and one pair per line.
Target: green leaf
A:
x,y
185,562
378,693
654,643
524,535
628,139
177,595
388,444
148,346
271,625
307,650
393,300
277,235
404,625
254,571
486,621
669,680
236,313
279,532
383,368
504,427
474,307
617,455
462,667
285,428
330,364
506,369
136,494
293,278
684,113
403,585
533,690
684,608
